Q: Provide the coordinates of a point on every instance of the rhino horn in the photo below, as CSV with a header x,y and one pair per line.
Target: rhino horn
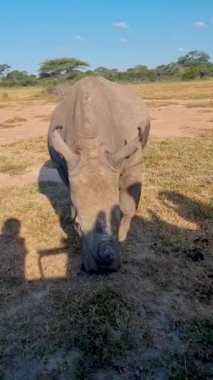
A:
x,y
62,148
128,149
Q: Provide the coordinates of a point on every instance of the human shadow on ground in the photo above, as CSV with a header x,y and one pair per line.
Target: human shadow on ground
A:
x,y
12,252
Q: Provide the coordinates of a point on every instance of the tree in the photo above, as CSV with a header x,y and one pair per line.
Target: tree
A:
x,y
111,74
101,70
190,73
4,69
19,78
60,67
194,57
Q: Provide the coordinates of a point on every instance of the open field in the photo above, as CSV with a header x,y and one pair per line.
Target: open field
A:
x,y
175,90
153,319
152,90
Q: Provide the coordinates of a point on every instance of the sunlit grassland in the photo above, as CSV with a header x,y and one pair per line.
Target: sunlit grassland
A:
x,y
193,90
175,90
24,96
16,158
8,94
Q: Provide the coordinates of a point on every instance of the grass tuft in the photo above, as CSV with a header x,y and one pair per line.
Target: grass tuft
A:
x,y
13,122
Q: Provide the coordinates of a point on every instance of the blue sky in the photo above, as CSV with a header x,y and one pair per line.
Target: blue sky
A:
x,y
110,33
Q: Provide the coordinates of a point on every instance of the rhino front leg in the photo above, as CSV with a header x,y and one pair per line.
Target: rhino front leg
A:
x,y
130,191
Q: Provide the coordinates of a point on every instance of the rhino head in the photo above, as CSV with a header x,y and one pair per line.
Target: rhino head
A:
x,y
94,193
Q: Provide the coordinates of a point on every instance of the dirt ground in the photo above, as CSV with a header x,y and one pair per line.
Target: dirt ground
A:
x,y
150,321
166,122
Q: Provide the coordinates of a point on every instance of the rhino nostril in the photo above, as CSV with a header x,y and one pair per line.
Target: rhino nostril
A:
x,y
107,255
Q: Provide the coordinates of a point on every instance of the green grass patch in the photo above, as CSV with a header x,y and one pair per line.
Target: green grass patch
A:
x,y
98,323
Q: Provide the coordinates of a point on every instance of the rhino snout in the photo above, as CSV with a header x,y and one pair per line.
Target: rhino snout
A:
x,y
106,252
102,256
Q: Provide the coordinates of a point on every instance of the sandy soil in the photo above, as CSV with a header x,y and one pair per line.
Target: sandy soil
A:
x,y
34,126
179,121
166,122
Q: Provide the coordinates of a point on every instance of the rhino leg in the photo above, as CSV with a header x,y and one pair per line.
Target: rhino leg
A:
x,y
130,191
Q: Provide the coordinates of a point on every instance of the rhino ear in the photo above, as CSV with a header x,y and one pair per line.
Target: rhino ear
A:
x,y
62,148
128,149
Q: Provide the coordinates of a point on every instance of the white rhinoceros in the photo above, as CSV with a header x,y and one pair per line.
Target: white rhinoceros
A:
x,y
95,140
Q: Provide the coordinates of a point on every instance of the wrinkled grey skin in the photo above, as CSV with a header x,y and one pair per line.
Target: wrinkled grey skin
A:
x,y
95,140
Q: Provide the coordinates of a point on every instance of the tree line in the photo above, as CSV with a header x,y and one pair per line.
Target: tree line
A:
x,y
194,65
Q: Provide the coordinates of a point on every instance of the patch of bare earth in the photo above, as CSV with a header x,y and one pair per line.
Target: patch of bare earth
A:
x,y
179,121
35,124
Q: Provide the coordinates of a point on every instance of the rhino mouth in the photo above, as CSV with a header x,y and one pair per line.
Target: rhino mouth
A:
x,y
100,268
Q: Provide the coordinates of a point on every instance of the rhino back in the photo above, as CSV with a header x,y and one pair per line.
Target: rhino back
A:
x,y
98,109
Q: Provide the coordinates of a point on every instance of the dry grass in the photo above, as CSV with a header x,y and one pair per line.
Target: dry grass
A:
x,y
15,119
43,117
4,105
164,91
160,103
152,317
175,90
204,104
24,96
13,122
19,94
17,157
